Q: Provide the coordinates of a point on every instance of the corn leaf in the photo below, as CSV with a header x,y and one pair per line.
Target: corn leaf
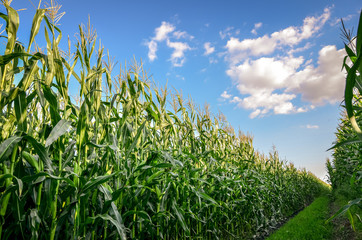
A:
x,y
7,147
38,17
59,129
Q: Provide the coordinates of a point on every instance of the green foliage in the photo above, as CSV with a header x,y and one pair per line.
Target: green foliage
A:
x,y
308,224
345,170
117,163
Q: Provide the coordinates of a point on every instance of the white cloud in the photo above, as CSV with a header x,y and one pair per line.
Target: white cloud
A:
x,y
300,49
259,79
238,50
256,27
271,85
178,55
225,95
228,32
266,102
263,74
345,19
255,114
284,108
236,100
294,35
179,34
348,17
304,109
182,34
263,103
312,126
152,48
208,48
313,24
162,33
324,83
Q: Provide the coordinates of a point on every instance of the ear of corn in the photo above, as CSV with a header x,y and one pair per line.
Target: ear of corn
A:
x,y
124,165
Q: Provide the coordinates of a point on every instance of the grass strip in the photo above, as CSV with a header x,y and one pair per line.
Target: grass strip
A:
x,y
308,224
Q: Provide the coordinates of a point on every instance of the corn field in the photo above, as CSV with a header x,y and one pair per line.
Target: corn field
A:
x,y
346,166
345,169
123,159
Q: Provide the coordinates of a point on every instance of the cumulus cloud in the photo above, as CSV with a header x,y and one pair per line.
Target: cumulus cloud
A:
x,y
208,48
162,33
238,50
324,83
260,79
263,102
263,74
271,85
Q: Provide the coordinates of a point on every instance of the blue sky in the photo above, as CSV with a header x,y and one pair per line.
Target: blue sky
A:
x,y
271,67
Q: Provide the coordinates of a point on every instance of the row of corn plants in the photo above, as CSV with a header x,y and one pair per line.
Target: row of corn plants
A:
x,y
124,159
345,169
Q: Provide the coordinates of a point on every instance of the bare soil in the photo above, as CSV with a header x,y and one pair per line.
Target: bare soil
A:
x,y
342,229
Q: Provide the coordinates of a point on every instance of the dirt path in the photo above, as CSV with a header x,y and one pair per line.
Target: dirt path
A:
x,y
342,229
